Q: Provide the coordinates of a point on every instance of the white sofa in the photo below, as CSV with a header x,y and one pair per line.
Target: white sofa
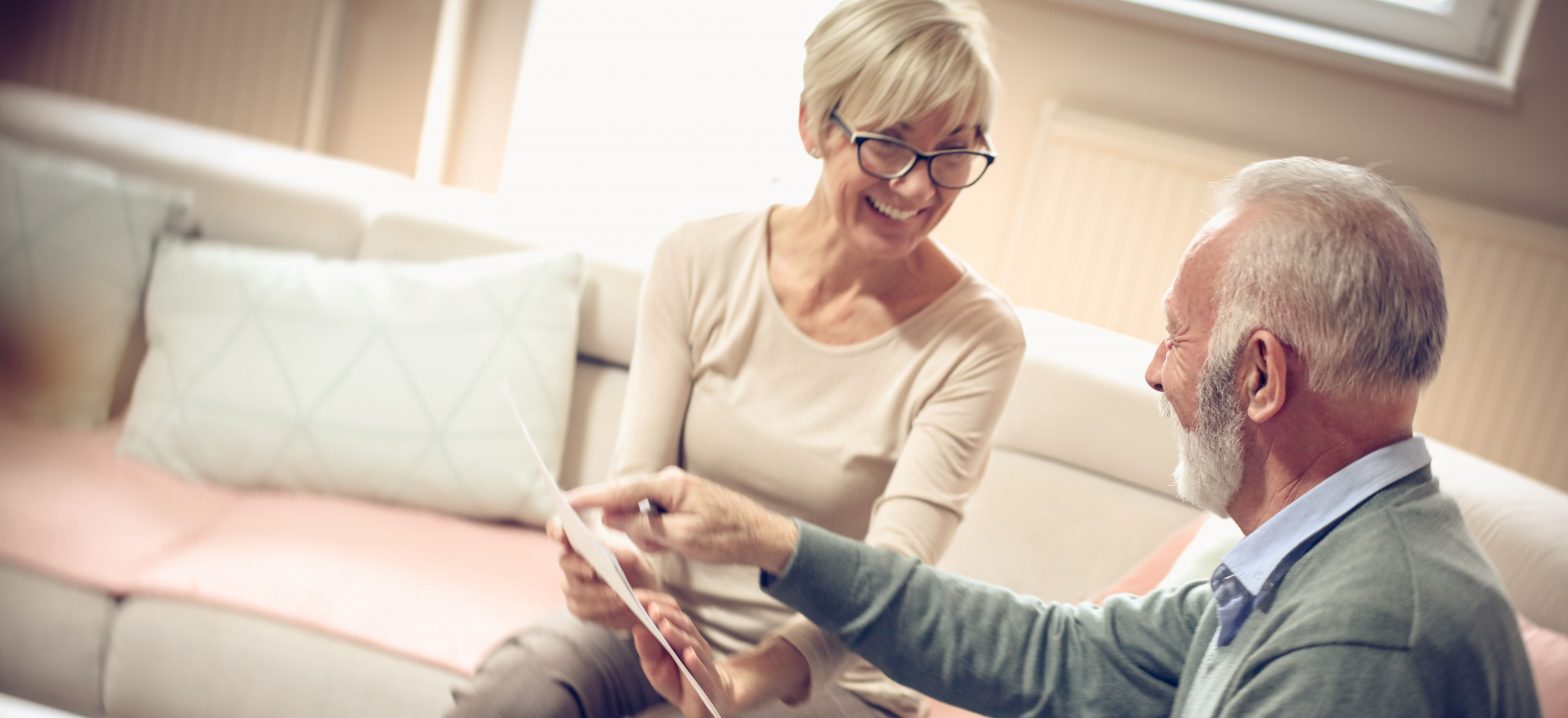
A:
x,y
1078,489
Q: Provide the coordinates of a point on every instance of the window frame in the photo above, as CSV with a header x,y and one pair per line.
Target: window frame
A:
x,y
1467,31
1280,26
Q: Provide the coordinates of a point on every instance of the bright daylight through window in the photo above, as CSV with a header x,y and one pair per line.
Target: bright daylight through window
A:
x,y
1468,48
633,117
1465,29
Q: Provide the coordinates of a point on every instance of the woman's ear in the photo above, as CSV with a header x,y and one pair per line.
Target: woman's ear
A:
x,y
807,138
1264,379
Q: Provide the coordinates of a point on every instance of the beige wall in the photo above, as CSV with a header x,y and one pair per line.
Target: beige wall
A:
x,y
1514,160
245,67
249,67
1113,205
1511,159
384,63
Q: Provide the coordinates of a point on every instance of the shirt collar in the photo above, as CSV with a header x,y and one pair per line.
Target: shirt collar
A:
x,y
1256,557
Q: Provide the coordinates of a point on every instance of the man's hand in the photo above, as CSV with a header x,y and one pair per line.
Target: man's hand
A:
x,y
587,596
700,520
694,651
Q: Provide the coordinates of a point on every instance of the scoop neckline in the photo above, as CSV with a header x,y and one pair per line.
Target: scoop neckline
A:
x,y
760,274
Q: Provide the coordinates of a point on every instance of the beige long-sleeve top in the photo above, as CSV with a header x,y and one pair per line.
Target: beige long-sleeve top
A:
x,y
883,440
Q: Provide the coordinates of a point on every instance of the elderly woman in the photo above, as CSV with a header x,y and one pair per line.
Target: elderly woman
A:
x,y
830,360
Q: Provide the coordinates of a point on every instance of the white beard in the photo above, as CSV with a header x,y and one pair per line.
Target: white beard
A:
x,y
1209,465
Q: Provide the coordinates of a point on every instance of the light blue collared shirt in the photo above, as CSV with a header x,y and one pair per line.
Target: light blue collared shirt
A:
x,y
1259,561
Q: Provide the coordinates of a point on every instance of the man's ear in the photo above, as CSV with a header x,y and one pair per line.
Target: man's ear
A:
x,y
1264,370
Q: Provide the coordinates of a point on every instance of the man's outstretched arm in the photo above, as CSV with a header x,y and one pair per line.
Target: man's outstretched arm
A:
x,y
984,648
976,646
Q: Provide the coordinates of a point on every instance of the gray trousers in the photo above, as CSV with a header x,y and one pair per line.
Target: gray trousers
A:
x,y
563,667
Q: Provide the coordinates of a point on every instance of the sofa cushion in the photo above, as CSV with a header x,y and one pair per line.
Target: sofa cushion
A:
x,y
55,635
1519,523
1080,399
598,393
437,589
70,507
176,659
434,588
1039,527
75,243
378,380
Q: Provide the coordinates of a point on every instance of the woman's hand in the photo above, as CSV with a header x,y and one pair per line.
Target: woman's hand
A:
x,y
700,520
694,651
587,596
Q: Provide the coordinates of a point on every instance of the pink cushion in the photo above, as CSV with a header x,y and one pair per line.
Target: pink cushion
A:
x,y
943,710
1548,652
434,588
72,508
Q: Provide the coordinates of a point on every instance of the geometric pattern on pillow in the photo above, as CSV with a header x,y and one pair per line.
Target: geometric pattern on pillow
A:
x,y
378,380
75,244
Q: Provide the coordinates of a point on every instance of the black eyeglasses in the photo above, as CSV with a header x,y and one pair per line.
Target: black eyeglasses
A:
x,y
891,158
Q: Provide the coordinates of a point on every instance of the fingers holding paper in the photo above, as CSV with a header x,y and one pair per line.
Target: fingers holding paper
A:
x,y
587,595
700,519
694,651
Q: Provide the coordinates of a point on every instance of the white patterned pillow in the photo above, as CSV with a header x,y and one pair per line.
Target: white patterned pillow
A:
x,y
75,242
378,380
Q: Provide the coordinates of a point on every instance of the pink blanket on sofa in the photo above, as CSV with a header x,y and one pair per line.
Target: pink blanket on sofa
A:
x,y
434,588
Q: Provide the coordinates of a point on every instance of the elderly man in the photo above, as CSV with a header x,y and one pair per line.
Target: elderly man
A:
x,y
1302,323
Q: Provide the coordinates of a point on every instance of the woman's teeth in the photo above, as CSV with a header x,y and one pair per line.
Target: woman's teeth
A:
x,y
887,211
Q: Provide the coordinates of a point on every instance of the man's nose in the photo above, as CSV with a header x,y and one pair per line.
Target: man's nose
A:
x,y
1152,373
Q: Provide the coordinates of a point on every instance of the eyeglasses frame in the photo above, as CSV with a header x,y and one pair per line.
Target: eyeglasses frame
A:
x,y
859,139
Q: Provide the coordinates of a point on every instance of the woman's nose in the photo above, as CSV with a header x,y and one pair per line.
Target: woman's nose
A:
x,y
916,183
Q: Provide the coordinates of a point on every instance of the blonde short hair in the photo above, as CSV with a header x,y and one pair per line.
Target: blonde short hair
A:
x,y
882,62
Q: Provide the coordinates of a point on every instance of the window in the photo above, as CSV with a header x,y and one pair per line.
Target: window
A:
x,y
1470,48
1466,29
632,116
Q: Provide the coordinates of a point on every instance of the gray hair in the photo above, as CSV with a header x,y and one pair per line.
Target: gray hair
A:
x,y
1337,265
881,62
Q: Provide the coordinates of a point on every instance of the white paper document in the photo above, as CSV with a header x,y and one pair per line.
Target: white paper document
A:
x,y
587,544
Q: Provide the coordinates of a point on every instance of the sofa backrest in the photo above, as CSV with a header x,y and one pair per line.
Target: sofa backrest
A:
x,y
1080,479
247,190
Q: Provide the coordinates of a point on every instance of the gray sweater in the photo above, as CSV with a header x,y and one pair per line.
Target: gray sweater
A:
x,y
1392,611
